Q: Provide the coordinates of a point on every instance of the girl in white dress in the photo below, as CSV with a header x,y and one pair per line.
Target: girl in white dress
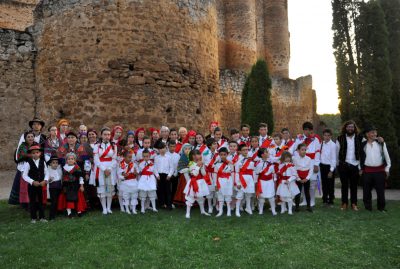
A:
x,y
147,182
265,188
287,187
197,182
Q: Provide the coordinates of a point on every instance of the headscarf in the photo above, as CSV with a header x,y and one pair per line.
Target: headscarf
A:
x,y
184,159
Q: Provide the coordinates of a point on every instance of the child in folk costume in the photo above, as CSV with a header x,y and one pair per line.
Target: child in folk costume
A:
x,y
233,157
147,181
175,159
222,143
72,182
128,182
224,183
183,165
287,187
191,138
197,182
105,163
245,138
209,161
276,149
117,139
36,175
253,151
245,183
265,188
264,141
235,135
304,167
55,184
163,170
313,143
146,146
287,140
202,147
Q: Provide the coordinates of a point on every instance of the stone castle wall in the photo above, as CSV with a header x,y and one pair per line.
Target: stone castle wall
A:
x,y
147,63
17,90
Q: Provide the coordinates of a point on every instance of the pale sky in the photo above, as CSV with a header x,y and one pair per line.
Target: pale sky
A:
x,y
310,23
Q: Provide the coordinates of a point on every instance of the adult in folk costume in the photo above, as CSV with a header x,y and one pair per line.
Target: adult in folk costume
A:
x,y
105,163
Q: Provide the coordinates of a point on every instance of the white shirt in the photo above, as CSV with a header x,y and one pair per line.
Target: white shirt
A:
x,y
175,159
27,167
163,165
350,153
54,174
373,152
328,154
303,164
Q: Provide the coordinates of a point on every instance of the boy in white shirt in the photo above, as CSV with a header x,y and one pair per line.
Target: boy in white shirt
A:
x,y
304,167
163,170
327,167
174,159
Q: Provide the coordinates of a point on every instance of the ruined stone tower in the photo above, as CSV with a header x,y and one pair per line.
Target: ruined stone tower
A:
x,y
144,62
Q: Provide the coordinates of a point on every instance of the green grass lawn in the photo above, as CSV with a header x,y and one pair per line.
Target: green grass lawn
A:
x,y
328,238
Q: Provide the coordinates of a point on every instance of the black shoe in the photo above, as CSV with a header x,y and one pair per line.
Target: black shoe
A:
x,y
368,208
80,214
382,210
309,209
297,209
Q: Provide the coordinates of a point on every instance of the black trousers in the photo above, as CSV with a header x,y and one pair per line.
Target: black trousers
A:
x,y
349,176
36,201
54,194
174,185
377,181
328,184
306,192
165,191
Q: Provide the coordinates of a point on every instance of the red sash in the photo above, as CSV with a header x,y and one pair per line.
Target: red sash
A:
x,y
178,147
128,169
222,142
222,174
209,167
303,174
263,176
255,155
311,155
267,142
290,143
103,158
282,171
193,182
244,171
202,148
145,171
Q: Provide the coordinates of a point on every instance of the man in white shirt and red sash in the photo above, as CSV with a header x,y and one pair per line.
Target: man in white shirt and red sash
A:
x,y
375,165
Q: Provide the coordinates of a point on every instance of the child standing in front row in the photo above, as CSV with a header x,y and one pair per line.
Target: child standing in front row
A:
x,y
197,182
287,188
72,197
35,173
224,182
265,171
304,166
55,184
245,183
128,182
147,182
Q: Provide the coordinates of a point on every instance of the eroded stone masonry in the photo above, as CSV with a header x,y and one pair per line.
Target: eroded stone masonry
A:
x,y
142,63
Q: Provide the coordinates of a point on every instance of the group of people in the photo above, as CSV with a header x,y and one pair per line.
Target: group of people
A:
x,y
170,167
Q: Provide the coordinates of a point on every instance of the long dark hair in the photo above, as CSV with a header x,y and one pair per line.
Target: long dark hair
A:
x,y
347,123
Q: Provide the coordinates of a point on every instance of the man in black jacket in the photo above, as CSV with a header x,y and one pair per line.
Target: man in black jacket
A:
x,y
348,147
